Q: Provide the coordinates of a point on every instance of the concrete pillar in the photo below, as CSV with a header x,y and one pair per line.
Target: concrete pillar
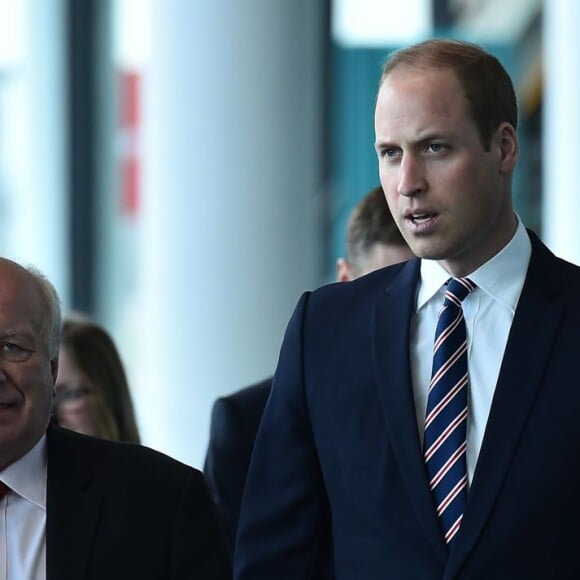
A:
x,y
561,166
33,171
230,232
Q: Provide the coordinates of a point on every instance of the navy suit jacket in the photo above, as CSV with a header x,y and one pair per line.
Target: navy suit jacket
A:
x,y
122,511
338,452
234,424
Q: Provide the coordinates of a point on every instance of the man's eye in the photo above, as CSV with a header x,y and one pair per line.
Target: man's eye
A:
x,y
389,152
11,346
437,147
13,352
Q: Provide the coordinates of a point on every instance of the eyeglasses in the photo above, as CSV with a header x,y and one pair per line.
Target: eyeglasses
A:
x,y
65,395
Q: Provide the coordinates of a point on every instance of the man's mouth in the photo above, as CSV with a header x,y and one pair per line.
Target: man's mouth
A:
x,y
419,217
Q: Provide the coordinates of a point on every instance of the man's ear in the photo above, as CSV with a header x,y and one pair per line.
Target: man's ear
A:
x,y
343,270
508,147
54,369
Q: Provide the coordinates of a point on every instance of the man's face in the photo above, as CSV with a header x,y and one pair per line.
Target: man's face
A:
x,y
451,199
26,373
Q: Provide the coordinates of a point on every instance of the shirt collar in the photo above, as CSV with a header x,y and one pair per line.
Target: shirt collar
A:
x,y
501,277
27,475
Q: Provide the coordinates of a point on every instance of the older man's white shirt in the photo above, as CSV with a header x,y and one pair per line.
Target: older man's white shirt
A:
x,y
23,517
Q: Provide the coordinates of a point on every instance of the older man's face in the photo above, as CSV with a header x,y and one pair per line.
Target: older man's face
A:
x,y
27,374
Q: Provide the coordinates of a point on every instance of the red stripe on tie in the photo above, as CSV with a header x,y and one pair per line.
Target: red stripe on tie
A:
x,y
453,529
447,332
450,362
436,410
443,437
448,465
458,488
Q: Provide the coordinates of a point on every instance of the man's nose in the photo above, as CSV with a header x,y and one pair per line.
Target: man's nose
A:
x,y
411,177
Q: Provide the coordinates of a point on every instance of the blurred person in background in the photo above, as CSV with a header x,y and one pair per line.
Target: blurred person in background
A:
x,y
92,394
372,241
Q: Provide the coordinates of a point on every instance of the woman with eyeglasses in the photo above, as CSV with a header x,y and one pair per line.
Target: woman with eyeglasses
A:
x,y
92,394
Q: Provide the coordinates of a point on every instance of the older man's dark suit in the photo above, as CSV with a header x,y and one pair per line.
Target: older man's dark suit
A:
x,y
338,450
121,511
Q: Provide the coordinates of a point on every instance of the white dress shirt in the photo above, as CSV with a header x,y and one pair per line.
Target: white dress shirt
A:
x,y
489,312
23,517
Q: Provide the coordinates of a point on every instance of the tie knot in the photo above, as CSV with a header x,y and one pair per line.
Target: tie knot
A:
x,y
457,290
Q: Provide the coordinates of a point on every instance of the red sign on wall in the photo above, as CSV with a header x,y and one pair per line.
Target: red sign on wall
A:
x,y
130,93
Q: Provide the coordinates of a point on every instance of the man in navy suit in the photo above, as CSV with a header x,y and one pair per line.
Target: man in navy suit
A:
x,y
339,455
74,507
372,241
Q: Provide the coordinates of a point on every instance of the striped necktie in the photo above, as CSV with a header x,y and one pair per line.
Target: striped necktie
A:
x,y
445,422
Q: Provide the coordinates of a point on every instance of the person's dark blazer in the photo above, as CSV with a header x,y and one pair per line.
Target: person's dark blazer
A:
x,y
121,511
338,450
234,424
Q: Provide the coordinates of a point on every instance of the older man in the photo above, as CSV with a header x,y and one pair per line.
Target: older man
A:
x,y
75,507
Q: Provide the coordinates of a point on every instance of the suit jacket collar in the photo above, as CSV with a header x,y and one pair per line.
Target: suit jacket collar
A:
x,y
73,505
515,392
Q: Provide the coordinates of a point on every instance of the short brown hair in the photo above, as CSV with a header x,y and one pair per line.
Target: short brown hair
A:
x,y
371,222
486,84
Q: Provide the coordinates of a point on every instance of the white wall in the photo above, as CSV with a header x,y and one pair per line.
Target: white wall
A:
x,y
33,137
561,110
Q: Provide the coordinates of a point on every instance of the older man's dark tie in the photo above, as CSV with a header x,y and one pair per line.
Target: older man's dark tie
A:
x,y
445,440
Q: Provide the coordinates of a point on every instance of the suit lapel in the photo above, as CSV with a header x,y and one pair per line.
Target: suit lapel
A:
x,y
526,355
73,507
392,316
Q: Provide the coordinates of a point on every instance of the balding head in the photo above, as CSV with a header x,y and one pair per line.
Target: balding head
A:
x,y
28,366
51,314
